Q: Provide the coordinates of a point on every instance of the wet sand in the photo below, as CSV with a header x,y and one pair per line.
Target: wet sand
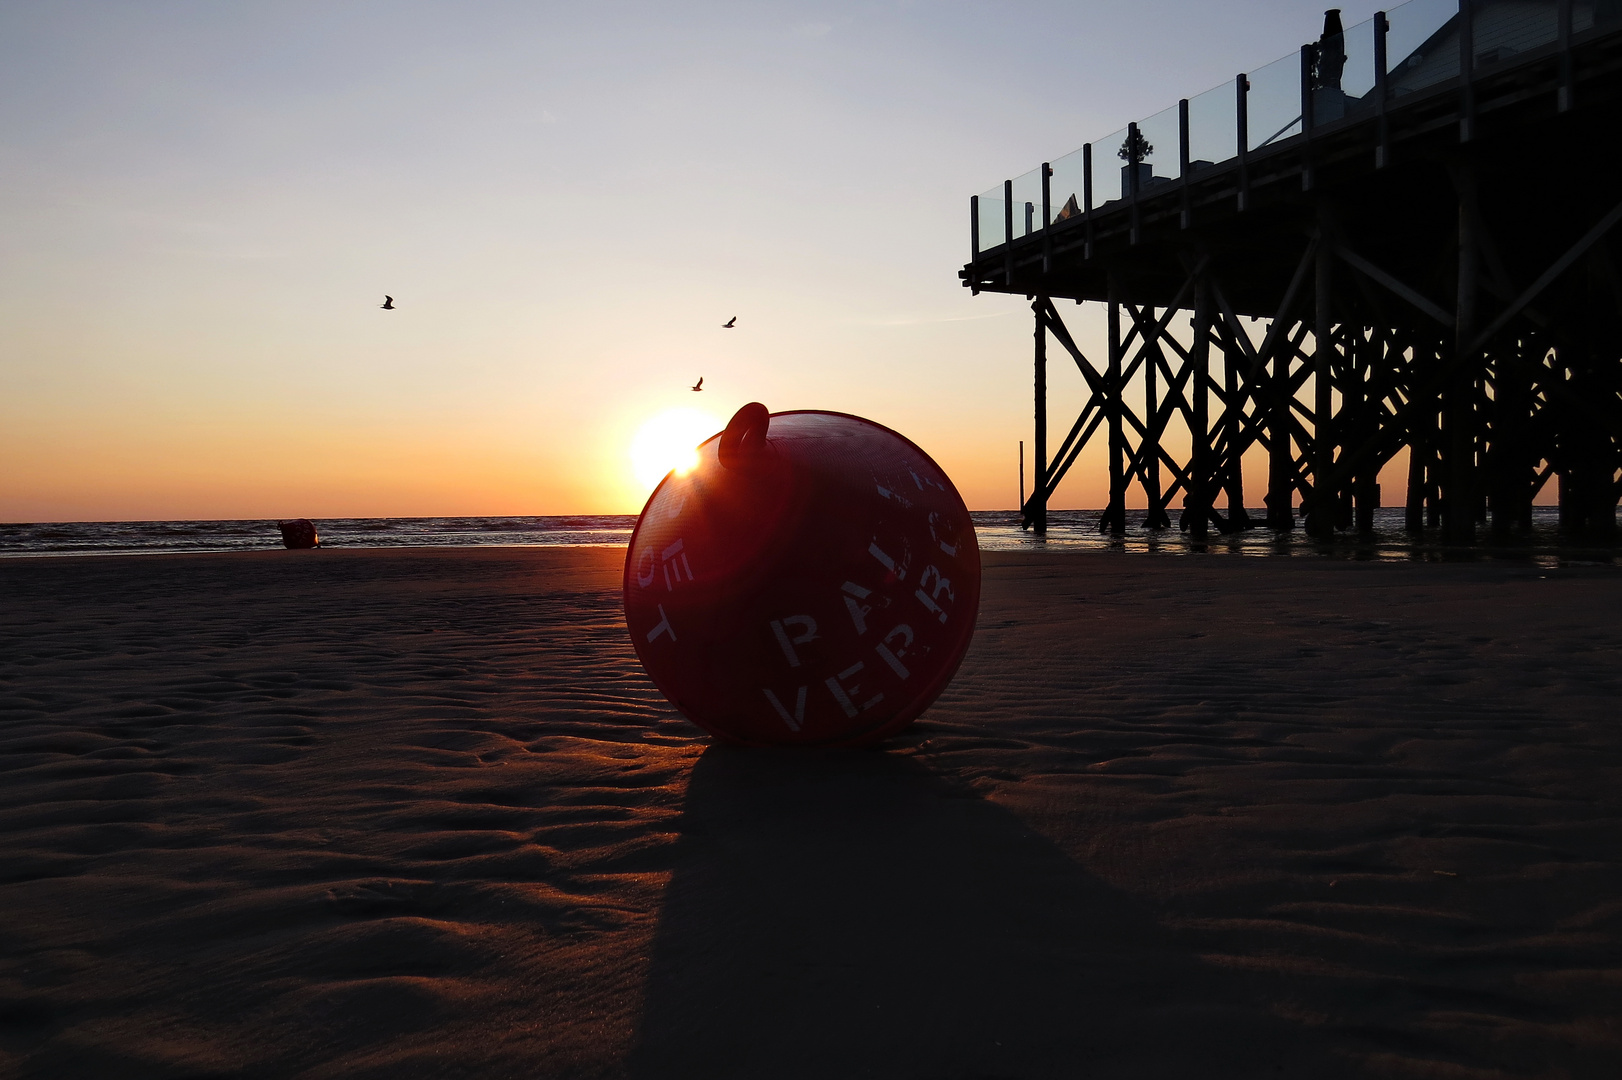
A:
x,y
397,814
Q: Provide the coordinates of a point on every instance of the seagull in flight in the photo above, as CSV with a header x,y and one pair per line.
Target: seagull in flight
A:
x,y
388,303
730,323
698,386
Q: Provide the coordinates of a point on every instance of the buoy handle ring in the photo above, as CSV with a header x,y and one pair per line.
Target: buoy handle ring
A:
x,y
745,435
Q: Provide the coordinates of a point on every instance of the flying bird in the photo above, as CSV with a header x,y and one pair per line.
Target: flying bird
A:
x,y
698,386
730,323
388,303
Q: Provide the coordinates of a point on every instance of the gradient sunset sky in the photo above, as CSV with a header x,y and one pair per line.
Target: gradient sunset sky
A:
x,y
205,203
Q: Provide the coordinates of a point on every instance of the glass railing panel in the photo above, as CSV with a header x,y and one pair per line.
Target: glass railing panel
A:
x,y
1275,102
1422,47
991,221
1108,168
1503,31
1067,186
1161,136
1213,132
1028,203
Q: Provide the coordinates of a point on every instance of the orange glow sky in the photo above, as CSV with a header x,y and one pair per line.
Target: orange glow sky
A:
x,y
206,203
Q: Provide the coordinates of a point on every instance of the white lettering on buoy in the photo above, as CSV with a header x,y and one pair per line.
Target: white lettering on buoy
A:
x,y
642,579
941,585
808,632
798,718
920,481
843,694
888,494
858,612
664,626
885,561
669,558
894,658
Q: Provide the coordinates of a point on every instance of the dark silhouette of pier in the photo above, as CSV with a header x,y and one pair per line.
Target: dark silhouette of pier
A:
x,y
1419,210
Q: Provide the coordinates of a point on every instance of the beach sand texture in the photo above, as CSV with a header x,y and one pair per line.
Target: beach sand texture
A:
x,y
397,814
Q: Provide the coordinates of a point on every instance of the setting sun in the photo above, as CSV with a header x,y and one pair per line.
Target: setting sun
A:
x,y
669,442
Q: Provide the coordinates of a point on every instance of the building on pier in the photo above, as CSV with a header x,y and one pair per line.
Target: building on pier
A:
x,y
1421,211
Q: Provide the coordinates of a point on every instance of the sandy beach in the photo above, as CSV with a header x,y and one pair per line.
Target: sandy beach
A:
x,y
419,813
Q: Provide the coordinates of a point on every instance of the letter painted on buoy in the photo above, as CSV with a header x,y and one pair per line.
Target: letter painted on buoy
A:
x,y
807,631
663,627
796,720
892,656
844,694
942,585
675,559
858,612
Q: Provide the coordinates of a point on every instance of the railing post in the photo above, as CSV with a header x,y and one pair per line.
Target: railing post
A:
x,y
1467,70
1008,233
1241,94
1182,159
1309,53
1087,194
1047,215
1382,146
1134,155
1563,94
974,228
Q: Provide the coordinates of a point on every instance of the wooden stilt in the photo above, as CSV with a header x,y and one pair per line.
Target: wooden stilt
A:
x,y
1114,520
1155,517
1458,413
1198,502
1280,460
1037,511
1322,511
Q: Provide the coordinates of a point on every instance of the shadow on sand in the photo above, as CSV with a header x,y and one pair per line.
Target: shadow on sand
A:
x,y
854,914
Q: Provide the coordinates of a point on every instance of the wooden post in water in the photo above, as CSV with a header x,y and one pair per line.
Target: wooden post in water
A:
x,y
1458,412
1198,496
1149,449
1114,520
1321,514
1232,357
1022,483
1038,512
1280,460
1419,449
1368,381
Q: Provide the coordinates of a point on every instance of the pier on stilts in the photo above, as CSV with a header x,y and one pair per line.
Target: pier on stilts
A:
x,y
1403,238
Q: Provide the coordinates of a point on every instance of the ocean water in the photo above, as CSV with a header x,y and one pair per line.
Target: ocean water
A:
x,y
998,530
153,537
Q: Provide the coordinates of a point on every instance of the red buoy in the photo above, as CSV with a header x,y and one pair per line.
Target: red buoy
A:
x,y
299,534
814,580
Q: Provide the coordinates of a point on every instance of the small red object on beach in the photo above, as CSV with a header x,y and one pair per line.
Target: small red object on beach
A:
x,y
299,534
813,581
